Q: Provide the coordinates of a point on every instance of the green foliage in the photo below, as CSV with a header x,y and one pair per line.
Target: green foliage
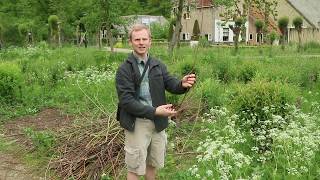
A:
x,y
203,42
42,140
311,45
224,71
251,100
195,31
10,83
259,25
239,22
159,31
247,72
188,67
272,37
211,93
283,24
53,21
298,22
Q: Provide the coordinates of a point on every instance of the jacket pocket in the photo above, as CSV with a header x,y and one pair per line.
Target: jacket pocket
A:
x,y
132,157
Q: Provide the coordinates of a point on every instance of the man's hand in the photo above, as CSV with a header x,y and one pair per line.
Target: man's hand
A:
x,y
188,80
166,110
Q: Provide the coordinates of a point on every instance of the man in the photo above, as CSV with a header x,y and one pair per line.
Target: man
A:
x,y
143,111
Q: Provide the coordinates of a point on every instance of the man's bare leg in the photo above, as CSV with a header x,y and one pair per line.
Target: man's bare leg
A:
x,y
132,176
150,173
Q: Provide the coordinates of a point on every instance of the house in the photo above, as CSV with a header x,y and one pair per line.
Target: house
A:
x,y
211,25
309,10
216,30
144,19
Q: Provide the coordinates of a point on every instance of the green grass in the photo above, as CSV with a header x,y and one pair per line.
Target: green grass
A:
x,y
79,80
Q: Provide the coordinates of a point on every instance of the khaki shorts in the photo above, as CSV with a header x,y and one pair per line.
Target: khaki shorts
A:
x,y
144,146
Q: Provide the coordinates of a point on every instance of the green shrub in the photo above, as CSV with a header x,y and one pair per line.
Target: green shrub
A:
x,y
211,93
258,105
10,82
251,99
247,72
188,67
224,71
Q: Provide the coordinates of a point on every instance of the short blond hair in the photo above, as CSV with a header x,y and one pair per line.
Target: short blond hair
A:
x,y
139,27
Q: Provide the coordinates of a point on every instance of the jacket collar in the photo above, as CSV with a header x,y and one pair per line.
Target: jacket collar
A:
x,y
132,59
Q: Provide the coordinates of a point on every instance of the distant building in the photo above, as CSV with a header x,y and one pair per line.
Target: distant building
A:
x,y
216,30
212,26
309,10
145,19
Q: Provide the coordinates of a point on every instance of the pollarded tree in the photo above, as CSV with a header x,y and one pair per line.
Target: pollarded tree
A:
x,y
196,31
236,11
283,26
25,31
238,23
53,21
259,26
268,9
297,22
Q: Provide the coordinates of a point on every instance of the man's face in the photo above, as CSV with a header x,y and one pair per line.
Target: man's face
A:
x,y
140,42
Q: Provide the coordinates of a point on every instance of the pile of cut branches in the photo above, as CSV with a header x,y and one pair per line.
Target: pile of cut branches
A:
x,y
89,148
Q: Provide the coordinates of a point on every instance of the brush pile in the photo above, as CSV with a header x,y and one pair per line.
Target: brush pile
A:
x,y
89,148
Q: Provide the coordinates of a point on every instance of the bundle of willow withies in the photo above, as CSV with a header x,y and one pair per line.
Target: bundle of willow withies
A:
x,y
89,148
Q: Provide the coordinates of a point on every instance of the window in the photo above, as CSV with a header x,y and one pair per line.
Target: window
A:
x,y
187,36
259,38
208,37
188,8
186,15
250,37
174,10
225,36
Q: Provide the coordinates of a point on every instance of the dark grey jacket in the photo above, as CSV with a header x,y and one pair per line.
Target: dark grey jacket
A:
x,y
127,78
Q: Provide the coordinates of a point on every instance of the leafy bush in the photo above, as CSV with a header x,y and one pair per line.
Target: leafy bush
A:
x,y
211,93
247,72
10,82
188,67
251,100
159,31
224,71
258,103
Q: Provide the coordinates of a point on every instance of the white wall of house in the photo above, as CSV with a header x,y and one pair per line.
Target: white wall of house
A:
x,y
222,31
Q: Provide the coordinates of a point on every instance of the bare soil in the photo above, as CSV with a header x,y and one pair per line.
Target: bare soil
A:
x,y
11,166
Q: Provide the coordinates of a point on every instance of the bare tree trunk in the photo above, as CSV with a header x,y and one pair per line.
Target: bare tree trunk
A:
x,y
176,34
99,38
59,36
110,37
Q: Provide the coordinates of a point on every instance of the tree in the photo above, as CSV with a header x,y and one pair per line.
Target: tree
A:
x,y
1,32
196,31
283,26
53,21
177,28
268,8
259,26
297,22
236,11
